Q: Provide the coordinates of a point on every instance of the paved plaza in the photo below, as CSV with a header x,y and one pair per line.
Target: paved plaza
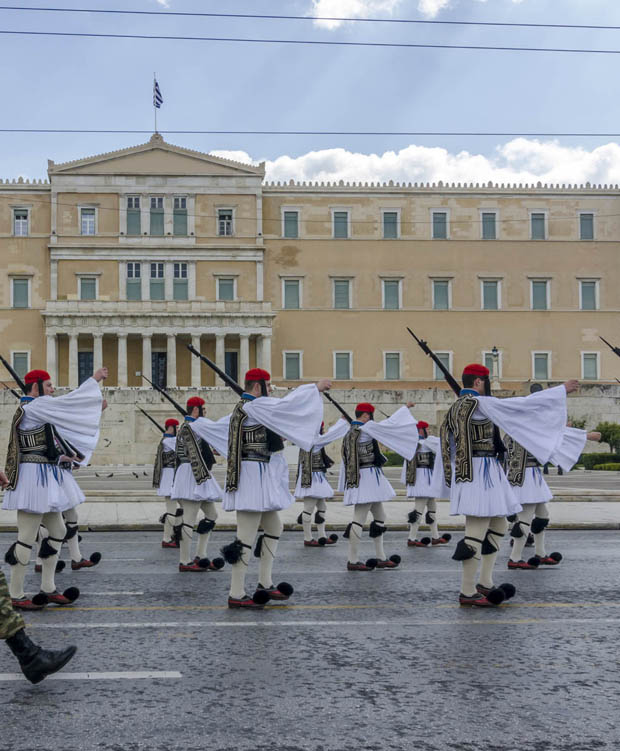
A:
x,y
363,661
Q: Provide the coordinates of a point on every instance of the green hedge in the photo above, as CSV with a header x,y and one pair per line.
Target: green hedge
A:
x,y
393,459
590,460
609,467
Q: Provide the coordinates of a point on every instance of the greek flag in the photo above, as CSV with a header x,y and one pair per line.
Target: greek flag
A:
x,y
157,97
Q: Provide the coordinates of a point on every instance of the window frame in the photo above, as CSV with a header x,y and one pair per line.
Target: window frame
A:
x,y
86,207
445,211
300,354
449,283
399,281
385,211
180,212
232,221
500,359
495,213
285,209
437,374
299,280
342,352
28,211
549,354
400,365
545,213
349,281
21,278
133,279
80,277
340,210
497,281
26,352
591,213
161,280
548,290
224,277
596,283
597,354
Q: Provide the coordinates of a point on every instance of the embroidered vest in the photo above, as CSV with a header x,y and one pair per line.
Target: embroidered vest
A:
x,y
194,451
358,455
517,461
312,461
422,460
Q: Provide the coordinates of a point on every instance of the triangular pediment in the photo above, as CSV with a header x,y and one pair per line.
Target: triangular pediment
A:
x,y
156,158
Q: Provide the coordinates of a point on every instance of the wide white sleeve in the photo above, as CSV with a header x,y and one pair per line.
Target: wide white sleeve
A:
x,y
337,430
569,451
170,443
399,432
214,432
536,421
76,415
431,443
341,473
296,416
403,473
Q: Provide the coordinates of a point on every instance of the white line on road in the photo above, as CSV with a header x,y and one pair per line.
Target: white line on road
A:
x,y
107,594
95,676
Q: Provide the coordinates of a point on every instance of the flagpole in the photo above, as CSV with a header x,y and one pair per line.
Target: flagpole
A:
x,y
154,103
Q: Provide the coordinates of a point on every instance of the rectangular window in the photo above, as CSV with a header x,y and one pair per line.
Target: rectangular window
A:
x,y
291,294
157,287
489,228
341,224
390,225
589,366
392,366
342,366
224,222
540,294
490,295
87,221
489,362
391,294
20,363
157,216
85,366
538,226
441,294
88,288
21,293
541,366
291,224
179,282
292,366
440,225
226,289
133,215
134,282
588,295
586,226
342,294
445,359
179,216
20,222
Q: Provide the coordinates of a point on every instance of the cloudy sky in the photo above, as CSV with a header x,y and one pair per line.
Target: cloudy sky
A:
x,y
61,82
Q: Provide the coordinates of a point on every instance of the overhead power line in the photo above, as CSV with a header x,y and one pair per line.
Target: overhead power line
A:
x,y
342,19
507,134
311,42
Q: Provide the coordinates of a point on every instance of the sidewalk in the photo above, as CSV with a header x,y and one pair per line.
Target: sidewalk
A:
x,y
140,510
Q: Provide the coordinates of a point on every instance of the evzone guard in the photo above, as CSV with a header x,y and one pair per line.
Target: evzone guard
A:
x,y
257,474
163,478
362,480
477,486
528,484
417,475
195,489
47,435
312,487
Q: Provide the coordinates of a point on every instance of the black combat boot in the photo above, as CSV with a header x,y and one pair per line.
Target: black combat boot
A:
x,y
37,663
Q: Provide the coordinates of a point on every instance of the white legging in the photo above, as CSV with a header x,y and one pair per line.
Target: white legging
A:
x,y
27,529
248,523
190,513
476,529
306,517
430,504
360,512
524,518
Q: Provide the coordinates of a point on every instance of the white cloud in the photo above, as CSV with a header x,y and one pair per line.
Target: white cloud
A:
x,y
350,9
431,8
163,3
521,160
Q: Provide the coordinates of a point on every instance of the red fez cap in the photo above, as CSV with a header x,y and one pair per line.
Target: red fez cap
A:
x,y
257,374
171,421
36,375
422,424
365,407
476,370
195,401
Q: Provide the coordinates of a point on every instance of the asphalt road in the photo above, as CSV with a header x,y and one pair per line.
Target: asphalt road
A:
x,y
356,662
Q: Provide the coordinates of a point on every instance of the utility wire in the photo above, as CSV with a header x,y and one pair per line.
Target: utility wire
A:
x,y
273,16
317,132
312,42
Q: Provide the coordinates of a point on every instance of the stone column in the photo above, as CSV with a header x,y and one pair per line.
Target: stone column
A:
x,y
147,360
52,358
244,355
171,360
73,361
122,359
97,351
266,352
196,363
220,349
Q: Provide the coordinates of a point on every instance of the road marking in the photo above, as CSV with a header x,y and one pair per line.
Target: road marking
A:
x,y
96,676
107,594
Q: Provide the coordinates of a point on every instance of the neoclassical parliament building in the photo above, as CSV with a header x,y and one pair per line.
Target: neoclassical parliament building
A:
x,y
126,257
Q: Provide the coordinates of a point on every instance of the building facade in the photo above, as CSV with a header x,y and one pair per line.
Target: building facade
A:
x,y
127,257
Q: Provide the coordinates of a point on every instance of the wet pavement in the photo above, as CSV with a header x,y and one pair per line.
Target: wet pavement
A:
x,y
356,661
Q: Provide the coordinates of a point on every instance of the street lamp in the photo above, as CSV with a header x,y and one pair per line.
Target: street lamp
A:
x,y
495,379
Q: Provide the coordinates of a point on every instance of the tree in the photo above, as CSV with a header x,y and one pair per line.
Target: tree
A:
x,y
610,433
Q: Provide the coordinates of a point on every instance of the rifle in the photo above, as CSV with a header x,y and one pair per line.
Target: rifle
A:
x,y
618,379
155,423
165,394
340,409
8,388
14,375
224,376
452,382
615,350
